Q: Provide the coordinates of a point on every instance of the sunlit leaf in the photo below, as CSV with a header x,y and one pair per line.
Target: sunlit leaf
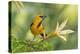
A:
x,y
62,25
66,31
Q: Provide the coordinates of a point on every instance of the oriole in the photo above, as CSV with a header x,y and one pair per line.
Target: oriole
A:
x,y
37,27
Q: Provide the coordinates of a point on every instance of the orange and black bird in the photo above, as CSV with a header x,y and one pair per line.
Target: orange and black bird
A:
x,y
37,27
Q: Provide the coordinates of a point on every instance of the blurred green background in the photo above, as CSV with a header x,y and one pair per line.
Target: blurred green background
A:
x,y
22,18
